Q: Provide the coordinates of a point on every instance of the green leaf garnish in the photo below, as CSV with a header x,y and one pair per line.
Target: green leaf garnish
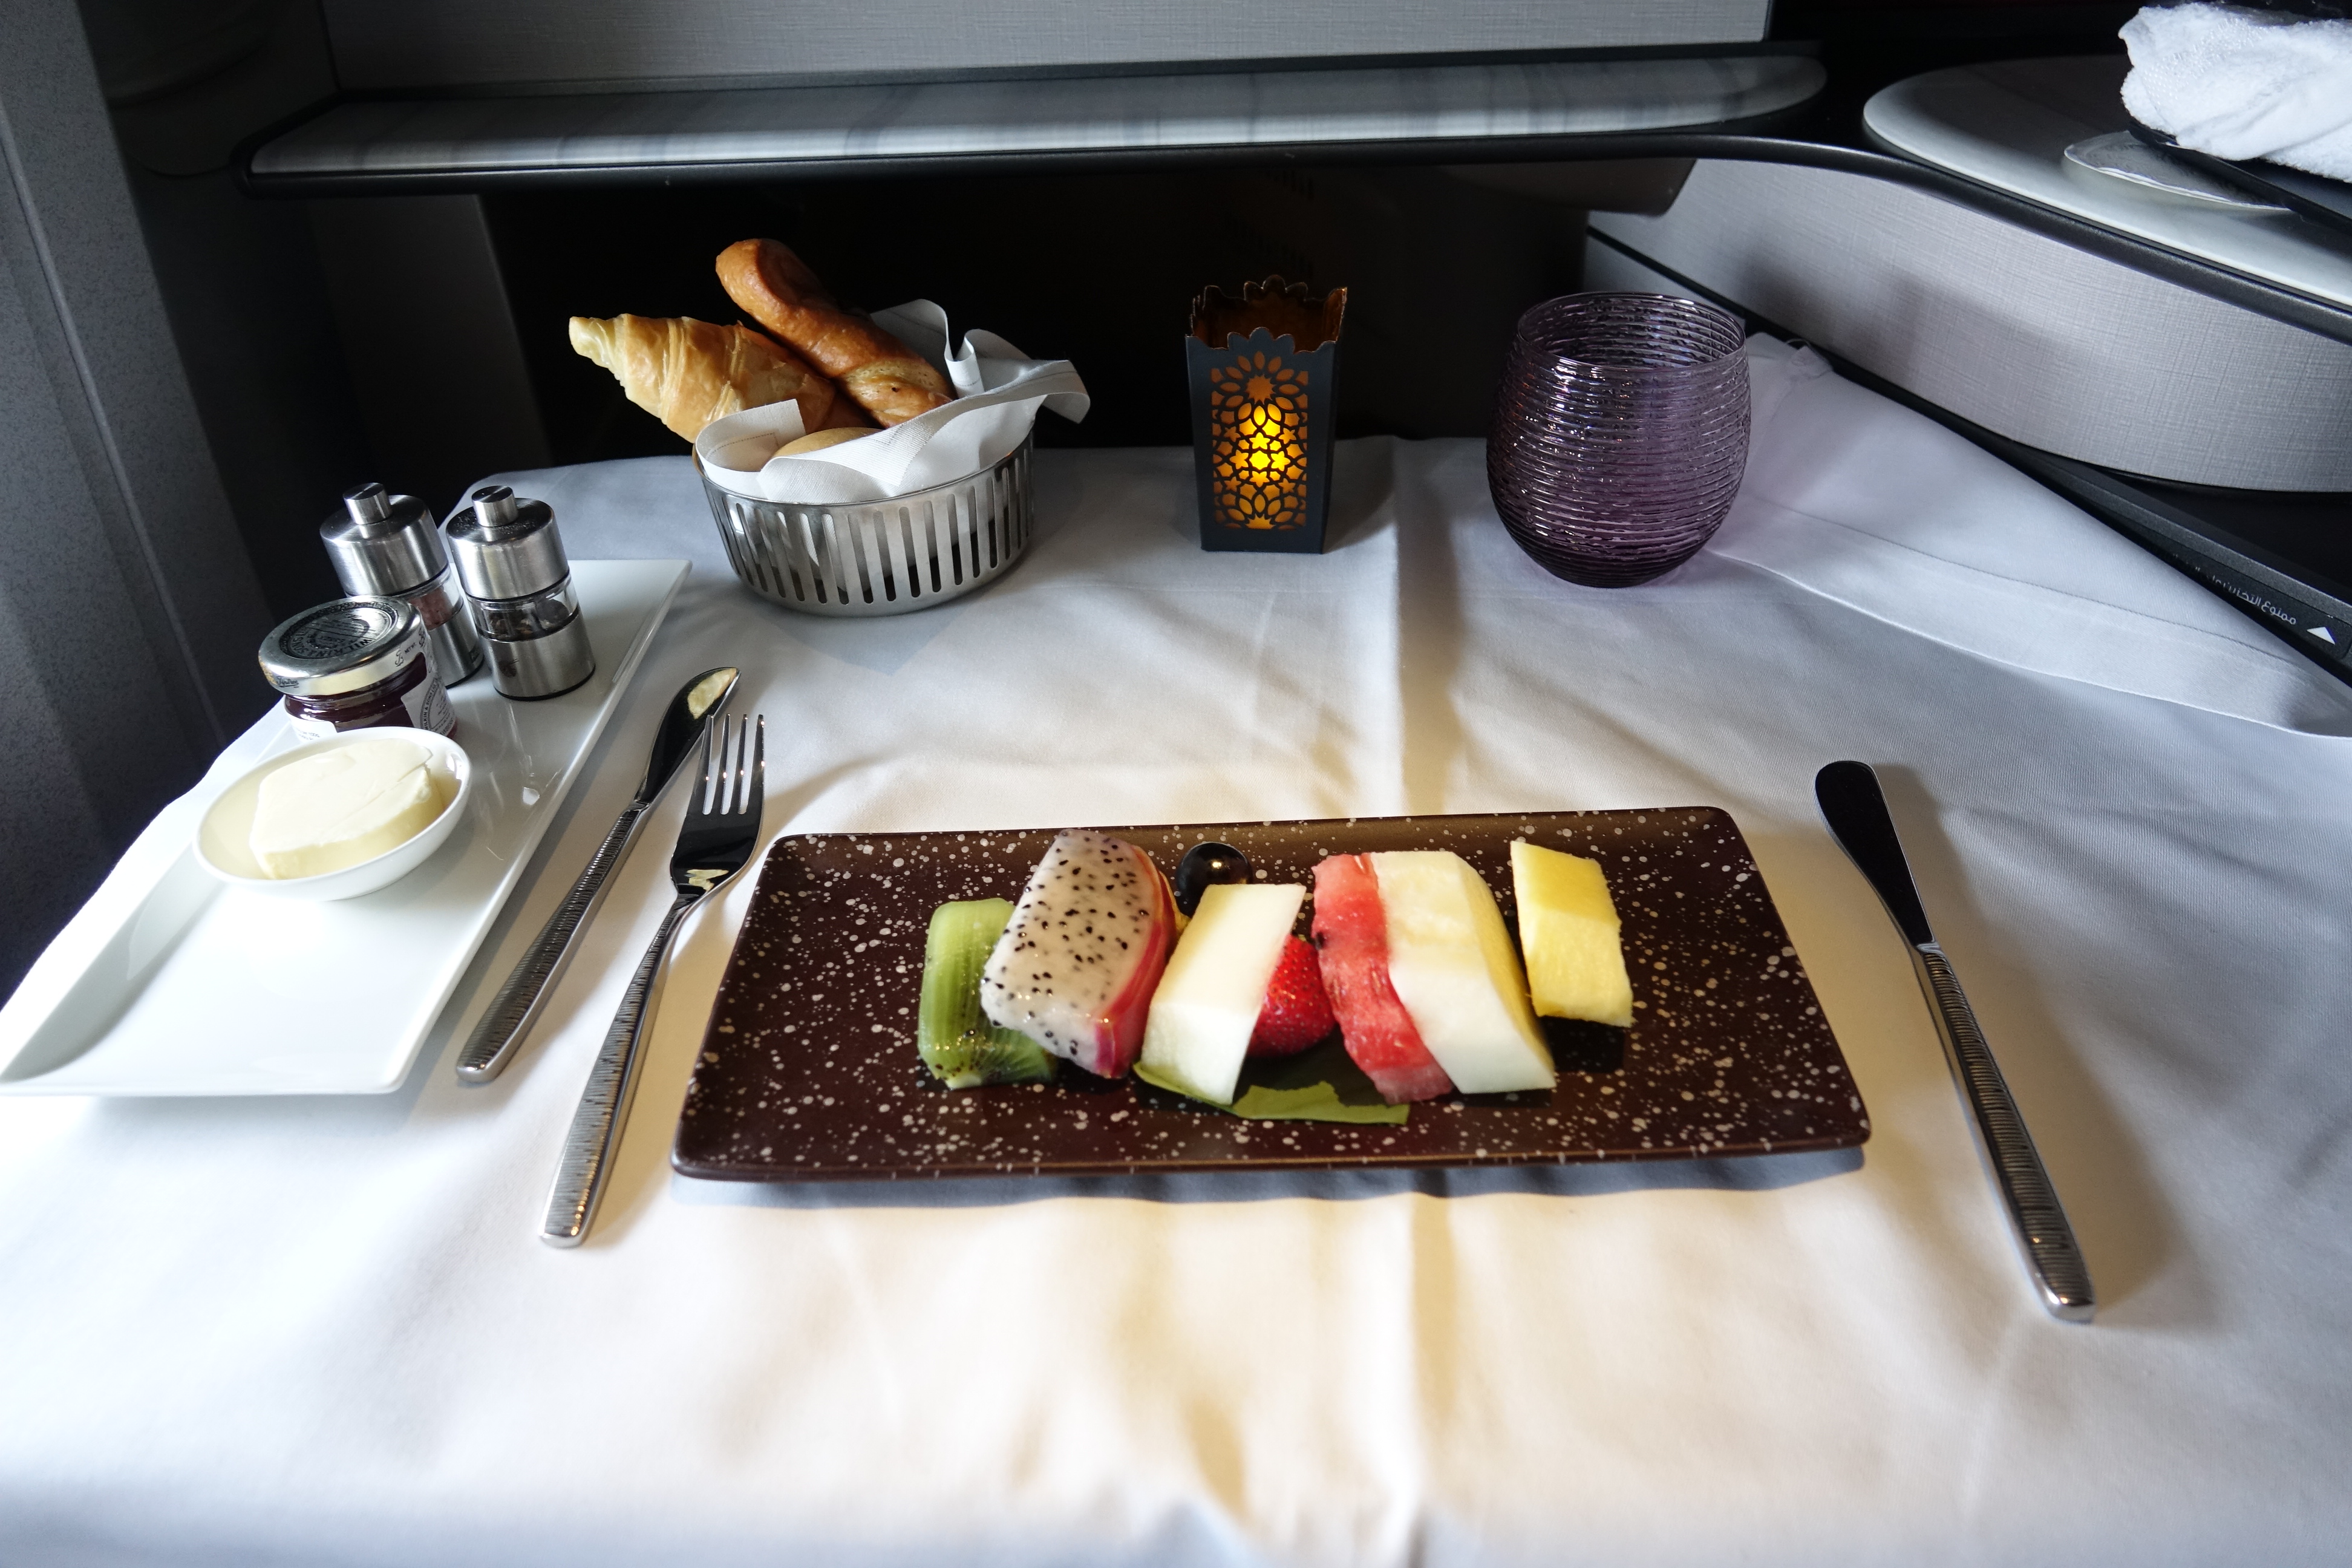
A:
x,y
1322,1083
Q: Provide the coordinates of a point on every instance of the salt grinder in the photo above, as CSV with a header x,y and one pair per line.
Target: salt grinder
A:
x,y
385,545
511,561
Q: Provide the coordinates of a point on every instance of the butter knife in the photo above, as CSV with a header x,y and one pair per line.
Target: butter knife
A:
x,y
501,1029
1855,809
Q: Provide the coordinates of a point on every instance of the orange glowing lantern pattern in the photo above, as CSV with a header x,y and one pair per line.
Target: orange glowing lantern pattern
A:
x,y
1262,369
1257,441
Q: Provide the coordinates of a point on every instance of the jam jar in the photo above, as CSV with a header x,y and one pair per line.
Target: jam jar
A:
x,y
356,664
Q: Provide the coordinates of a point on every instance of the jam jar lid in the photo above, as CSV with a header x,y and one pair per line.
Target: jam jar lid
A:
x,y
342,646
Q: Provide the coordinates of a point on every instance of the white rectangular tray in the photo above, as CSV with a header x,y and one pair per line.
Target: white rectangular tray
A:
x,y
170,982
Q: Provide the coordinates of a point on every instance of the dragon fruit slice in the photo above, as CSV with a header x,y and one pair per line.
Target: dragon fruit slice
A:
x,y
1352,927
1076,965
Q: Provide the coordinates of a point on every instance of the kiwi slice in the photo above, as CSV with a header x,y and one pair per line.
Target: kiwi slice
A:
x,y
959,1044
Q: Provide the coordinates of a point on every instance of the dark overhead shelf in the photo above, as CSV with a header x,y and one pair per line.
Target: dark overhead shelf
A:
x,y
1766,104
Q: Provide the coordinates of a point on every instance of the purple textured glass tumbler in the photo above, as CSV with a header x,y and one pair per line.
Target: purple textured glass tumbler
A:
x,y
1620,435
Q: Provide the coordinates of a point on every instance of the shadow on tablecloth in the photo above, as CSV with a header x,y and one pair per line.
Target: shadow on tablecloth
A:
x,y
1757,1174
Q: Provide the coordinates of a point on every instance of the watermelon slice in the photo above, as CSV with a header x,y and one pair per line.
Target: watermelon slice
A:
x,y
1351,927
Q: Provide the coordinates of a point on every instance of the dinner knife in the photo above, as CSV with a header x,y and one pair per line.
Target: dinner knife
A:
x,y
1855,809
492,1043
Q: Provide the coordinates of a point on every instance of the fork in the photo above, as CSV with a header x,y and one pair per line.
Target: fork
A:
x,y
722,826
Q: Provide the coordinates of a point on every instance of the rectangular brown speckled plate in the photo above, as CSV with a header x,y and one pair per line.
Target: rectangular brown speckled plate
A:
x,y
809,1070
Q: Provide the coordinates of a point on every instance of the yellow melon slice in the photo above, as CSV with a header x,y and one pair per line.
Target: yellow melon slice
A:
x,y
1568,936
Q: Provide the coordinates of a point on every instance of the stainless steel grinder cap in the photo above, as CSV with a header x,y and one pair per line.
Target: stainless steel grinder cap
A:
x,y
386,545
510,559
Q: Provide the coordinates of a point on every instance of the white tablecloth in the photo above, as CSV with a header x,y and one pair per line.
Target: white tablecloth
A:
x,y
324,1332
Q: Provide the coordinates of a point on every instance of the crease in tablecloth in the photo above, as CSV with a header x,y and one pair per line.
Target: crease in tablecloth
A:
x,y
1851,496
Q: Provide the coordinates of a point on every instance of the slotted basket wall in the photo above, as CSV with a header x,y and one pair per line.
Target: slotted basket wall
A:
x,y
880,558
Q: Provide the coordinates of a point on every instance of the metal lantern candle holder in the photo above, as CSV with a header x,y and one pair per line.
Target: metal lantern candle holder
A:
x,y
1263,369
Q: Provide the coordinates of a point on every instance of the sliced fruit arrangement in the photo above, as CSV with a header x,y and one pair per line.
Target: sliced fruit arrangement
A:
x,y
1207,1006
1079,961
957,1041
1412,962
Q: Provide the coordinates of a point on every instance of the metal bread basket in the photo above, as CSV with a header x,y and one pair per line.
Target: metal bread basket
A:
x,y
880,558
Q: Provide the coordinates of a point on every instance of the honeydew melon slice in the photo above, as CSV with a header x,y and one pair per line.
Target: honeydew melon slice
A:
x,y
1453,967
1214,987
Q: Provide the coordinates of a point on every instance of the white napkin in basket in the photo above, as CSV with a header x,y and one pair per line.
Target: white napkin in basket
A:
x,y
998,392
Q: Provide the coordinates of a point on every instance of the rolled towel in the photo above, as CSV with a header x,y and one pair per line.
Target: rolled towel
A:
x,y
2238,83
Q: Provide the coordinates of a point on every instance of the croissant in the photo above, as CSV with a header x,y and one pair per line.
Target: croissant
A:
x,y
687,372
881,374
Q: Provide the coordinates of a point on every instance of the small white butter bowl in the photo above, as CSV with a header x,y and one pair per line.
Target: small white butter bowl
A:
x,y
223,839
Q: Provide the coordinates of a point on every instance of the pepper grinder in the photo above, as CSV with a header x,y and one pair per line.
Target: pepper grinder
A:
x,y
511,561
385,545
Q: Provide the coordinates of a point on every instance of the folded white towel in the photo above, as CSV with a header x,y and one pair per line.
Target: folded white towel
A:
x,y
2239,83
1880,508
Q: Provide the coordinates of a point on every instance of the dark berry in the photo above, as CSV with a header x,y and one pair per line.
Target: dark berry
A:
x,y
1203,867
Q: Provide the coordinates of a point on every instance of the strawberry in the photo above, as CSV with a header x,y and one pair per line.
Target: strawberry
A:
x,y
1296,1013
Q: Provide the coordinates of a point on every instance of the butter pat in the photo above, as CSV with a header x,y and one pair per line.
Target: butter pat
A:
x,y
343,806
1568,929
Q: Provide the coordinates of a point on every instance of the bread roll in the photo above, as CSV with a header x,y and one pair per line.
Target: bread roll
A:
x,y
687,372
817,441
881,374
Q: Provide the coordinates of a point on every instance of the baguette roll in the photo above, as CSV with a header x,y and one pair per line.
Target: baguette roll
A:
x,y
881,374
